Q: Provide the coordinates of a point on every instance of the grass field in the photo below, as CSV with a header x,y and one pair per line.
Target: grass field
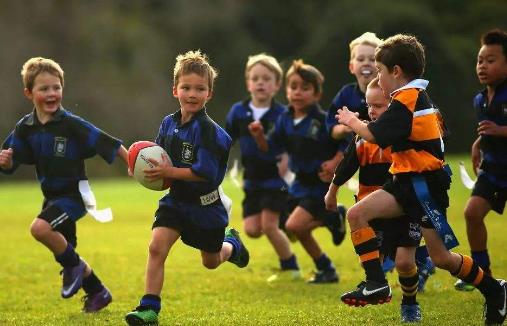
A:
x,y
192,295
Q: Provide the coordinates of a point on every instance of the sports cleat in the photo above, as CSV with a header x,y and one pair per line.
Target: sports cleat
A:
x,y
142,316
495,308
424,270
337,224
324,276
410,313
368,292
285,276
242,257
388,265
97,301
463,286
72,279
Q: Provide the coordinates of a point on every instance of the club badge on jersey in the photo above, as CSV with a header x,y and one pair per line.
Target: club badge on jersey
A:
x,y
60,146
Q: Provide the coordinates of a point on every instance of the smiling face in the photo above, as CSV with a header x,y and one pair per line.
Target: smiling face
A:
x,y
46,95
192,92
362,64
300,93
491,65
262,85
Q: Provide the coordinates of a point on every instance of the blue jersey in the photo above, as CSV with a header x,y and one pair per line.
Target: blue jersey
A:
x,y
308,145
203,146
353,98
260,168
494,149
58,150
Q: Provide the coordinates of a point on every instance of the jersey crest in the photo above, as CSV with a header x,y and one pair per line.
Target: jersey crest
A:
x,y
60,147
187,153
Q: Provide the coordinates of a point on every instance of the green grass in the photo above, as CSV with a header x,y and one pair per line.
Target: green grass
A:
x,y
193,295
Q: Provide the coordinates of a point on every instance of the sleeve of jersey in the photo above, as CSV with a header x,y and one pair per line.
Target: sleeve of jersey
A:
x,y
96,141
22,154
393,125
277,141
231,127
211,158
331,112
348,165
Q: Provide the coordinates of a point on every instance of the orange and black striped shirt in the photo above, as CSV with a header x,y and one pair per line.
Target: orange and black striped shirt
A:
x,y
373,163
412,127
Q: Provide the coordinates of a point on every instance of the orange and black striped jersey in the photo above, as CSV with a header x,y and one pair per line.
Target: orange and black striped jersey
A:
x,y
373,163
412,127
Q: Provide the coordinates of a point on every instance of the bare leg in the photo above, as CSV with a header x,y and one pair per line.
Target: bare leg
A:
x,y
212,260
301,223
252,226
475,212
162,240
277,237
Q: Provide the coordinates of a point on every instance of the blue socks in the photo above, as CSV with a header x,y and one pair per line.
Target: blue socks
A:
x,y
289,263
482,259
323,263
152,301
68,258
236,245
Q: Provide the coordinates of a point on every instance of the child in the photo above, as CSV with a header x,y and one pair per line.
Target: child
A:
x,y
398,237
419,186
57,143
265,191
193,209
490,190
301,132
362,66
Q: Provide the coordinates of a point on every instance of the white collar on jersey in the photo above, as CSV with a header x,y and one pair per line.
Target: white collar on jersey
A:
x,y
416,83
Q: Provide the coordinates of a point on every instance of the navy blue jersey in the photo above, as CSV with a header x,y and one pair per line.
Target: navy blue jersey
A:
x,y
350,96
308,145
260,168
494,149
58,150
203,146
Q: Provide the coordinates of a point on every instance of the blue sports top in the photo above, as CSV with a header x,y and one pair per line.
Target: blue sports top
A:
x,y
350,96
260,169
308,145
494,149
199,144
58,150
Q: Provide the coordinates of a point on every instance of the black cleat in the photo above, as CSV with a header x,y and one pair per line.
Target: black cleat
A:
x,y
368,292
325,276
495,307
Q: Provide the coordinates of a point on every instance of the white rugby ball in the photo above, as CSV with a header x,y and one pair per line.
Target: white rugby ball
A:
x,y
139,154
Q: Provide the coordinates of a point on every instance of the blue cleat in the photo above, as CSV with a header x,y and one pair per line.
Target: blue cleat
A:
x,y
72,279
425,270
97,301
410,313
242,257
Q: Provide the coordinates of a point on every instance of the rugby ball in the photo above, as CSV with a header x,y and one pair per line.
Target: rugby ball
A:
x,y
139,153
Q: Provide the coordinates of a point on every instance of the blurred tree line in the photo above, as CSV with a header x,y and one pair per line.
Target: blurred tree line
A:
x,y
118,55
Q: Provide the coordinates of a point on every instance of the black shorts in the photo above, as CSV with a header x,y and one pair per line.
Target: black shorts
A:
x,y
208,240
495,195
60,221
394,233
257,200
316,207
400,186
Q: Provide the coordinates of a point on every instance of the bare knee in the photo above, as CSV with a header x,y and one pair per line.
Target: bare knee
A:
x,y
210,263
353,215
404,265
39,229
156,251
253,232
473,216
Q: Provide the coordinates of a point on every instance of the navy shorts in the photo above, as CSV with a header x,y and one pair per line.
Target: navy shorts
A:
x,y
208,240
400,186
315,206
495,195
396,232
257,200
60,213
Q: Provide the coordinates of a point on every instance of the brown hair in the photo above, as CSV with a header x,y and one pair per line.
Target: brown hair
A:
x,y
34,66
194,62
308,73
404,51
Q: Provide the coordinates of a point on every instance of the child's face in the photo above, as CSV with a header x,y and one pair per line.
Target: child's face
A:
x,y
300,94
387,80
491,65
261,83
46,93
377,102
192,92
362,65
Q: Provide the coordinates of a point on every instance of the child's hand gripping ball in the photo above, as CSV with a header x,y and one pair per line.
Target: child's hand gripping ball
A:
x,y
140,154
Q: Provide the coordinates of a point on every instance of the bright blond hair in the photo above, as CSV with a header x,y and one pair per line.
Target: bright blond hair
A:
x,y
267,61
367,38
194,62
34,66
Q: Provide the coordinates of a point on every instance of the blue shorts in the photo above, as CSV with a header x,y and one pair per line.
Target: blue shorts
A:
x,y
257,200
